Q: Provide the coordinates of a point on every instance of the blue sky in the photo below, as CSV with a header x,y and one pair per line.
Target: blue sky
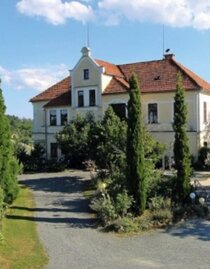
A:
x,y
41,39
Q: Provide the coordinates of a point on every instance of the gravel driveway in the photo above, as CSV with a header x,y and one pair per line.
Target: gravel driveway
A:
x,y
66,227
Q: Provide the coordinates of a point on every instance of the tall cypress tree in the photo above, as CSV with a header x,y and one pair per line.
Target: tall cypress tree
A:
x,y
135,148
8,163
181,148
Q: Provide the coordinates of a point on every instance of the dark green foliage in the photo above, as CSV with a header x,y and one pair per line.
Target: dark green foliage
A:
x,y
74,140
204,157
21,130
107,141
181,148
35,161
135,148
8,165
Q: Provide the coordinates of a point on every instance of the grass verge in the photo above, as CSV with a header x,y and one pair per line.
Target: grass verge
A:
x,y
21,248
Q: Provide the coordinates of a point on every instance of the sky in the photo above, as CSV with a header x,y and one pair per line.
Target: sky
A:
x,y
40,40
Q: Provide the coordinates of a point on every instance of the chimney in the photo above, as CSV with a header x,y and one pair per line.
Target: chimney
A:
x,y
169,56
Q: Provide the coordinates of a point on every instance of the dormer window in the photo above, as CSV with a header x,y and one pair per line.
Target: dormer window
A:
x,y
86,74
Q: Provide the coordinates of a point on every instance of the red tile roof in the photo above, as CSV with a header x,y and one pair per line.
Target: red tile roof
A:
x,y
54,91
116,85
110,69
198,80
154,76
161,76
62,100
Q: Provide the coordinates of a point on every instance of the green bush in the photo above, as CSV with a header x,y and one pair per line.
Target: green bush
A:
x,y
187,211
161,216
158,202
160,185
123,225
204,157
105,209
123,203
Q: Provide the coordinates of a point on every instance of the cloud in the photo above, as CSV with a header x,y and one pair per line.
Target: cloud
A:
x,y
33,78
56,11
176,13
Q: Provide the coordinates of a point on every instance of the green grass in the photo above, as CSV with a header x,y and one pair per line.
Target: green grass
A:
x,y
21,247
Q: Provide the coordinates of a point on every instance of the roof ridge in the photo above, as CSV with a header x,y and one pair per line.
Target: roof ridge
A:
x,y
150,61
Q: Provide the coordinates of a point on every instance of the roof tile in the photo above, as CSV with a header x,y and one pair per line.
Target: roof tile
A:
x,y
54,91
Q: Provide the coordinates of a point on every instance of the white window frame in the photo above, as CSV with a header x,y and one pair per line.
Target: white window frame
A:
x,y
86,91
148,119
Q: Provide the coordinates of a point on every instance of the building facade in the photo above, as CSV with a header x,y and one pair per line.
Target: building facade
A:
x,y
93,85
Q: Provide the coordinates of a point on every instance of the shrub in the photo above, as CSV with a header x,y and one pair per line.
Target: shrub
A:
x,y
193,210
204,157
160,185
161,216
104,208
123,225
123,203
144,221
158,202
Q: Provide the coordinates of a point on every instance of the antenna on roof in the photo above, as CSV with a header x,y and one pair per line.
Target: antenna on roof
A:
x,y
163,39
88,35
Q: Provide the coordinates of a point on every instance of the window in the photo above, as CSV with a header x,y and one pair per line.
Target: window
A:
x,y
92,98
63,116
86,74
204,112
120,110
152,113
54,150
80,98
53,120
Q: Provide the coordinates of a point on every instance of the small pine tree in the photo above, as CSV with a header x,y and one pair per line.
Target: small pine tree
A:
x,y
8,164
135,148
181,148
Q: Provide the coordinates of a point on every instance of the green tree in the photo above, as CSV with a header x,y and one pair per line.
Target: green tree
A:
x,y
107,141
8,164
74,139
136,178
181,148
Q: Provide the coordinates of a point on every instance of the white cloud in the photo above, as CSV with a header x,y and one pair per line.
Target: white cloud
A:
x,y
56,11
33,78
176,13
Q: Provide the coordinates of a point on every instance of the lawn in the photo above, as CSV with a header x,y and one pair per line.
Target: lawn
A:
x,y
21,247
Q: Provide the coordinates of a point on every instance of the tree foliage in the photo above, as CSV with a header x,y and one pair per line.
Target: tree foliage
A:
x,y
8,164
181,148
74,139
135,147
108,141
21,129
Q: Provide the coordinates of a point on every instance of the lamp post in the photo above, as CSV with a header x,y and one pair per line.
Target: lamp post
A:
x,y
192,197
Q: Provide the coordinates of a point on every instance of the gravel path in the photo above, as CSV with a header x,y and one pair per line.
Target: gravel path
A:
x,y
67,230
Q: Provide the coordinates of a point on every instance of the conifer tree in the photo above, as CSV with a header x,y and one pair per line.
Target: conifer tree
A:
x,y
181,148
135,148
8,164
